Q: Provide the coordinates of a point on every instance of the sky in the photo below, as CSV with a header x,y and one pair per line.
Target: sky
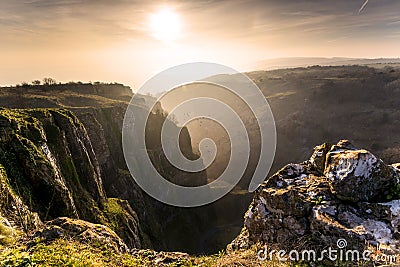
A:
x,y
129,41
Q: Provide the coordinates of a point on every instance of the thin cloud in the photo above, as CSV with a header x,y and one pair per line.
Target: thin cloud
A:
x,y
337,39
394,23
363,6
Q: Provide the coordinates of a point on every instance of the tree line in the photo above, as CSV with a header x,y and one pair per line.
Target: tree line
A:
x,y
51,81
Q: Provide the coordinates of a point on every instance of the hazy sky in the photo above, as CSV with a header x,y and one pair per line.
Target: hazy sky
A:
x,y
99,40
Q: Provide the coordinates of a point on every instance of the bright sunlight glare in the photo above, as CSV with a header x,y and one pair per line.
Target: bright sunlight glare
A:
x,y
165,25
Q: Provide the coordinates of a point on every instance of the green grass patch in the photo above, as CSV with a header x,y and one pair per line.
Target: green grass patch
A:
x,y
7,235
65,253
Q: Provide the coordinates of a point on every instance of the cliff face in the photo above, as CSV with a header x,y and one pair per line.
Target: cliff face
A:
x,y
13,211
159,222
75,165
50,168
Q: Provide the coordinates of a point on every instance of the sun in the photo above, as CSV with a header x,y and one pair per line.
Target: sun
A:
x,y
165,25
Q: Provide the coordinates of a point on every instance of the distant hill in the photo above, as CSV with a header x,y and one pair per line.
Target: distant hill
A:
x,y
295,62
66,95
318,104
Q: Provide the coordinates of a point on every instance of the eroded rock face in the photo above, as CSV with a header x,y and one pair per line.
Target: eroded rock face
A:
x,y
12,207
50,162
341,192
49,169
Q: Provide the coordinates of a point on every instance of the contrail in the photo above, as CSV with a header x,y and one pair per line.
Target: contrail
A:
x,y
363,6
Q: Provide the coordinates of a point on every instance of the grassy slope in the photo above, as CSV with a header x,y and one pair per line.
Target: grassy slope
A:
x,y
71,253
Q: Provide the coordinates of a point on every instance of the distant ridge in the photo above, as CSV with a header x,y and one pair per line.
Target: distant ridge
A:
x,y
295,62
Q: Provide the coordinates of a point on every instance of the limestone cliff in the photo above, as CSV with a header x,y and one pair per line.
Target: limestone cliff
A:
x,y
49,169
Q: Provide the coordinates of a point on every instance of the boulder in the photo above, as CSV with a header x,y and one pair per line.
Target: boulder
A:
x,y
82,231
357,175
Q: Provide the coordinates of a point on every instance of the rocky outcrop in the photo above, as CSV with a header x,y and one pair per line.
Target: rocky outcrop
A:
x,y
82,231
340,192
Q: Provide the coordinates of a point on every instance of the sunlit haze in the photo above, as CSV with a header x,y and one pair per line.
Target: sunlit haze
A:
x,y
129,41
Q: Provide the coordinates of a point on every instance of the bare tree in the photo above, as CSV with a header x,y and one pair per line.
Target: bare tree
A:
x,y
49,81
